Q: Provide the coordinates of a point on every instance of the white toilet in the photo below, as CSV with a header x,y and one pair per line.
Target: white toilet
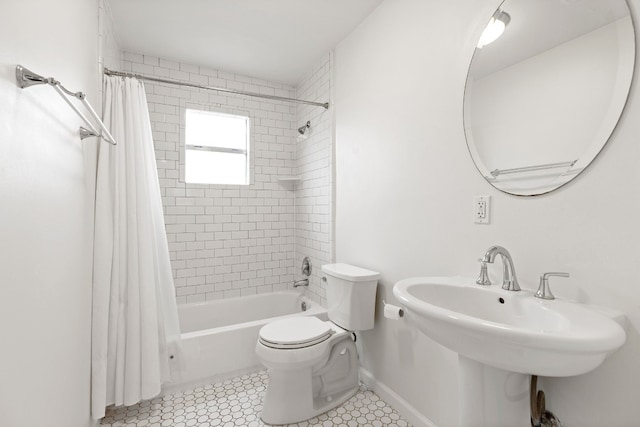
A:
x,y
313,365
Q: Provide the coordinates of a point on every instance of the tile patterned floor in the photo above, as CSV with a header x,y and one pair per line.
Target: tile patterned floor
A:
x,y
238,402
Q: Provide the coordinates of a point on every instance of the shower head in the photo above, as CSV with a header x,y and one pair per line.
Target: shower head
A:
x,y
302,129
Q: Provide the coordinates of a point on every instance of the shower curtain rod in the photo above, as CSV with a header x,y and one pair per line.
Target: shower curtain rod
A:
x,y
109,72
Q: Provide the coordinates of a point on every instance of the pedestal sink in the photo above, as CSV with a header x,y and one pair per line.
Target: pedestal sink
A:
x,y
512,331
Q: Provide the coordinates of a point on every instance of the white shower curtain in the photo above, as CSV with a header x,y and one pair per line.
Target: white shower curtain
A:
x,y
134,321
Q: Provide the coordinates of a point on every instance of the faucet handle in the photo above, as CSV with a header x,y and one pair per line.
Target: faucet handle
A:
x,y
483,278
544,292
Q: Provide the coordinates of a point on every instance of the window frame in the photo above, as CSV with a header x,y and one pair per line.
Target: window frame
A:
x,y
246,152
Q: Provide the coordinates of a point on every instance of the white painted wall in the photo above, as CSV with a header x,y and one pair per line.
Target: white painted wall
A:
x,y
45,235
110,52
405,184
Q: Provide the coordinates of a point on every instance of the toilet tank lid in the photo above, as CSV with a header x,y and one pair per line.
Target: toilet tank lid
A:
x,y
350,272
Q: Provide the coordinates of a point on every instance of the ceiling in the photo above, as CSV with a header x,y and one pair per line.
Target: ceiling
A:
x,y
276,40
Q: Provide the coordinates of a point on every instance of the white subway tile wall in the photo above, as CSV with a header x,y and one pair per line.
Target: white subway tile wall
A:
x,y
228,240
224,240
314,167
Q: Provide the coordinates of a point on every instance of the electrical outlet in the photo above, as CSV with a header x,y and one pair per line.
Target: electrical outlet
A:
x,y
481,209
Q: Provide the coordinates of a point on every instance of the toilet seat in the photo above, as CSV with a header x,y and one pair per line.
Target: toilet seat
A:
x,y
294,333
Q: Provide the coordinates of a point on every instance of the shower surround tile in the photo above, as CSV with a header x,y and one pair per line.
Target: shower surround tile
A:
x,y
224,240
314,167
227,241
238,402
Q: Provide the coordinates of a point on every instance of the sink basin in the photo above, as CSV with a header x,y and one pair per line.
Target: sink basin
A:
x,y
509,330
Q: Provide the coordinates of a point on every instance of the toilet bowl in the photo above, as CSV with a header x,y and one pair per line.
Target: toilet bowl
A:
x,y
308,374
313,364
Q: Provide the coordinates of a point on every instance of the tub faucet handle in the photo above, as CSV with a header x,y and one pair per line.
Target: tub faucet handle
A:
x,y
306,266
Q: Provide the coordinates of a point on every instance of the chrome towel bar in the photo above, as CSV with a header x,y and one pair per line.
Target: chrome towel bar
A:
x,y
26,78
496,172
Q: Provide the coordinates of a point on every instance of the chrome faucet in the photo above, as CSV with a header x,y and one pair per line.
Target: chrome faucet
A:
x,y
306,271
509,279
303,282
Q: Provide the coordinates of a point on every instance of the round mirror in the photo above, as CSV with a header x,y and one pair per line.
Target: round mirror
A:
x,y
546,87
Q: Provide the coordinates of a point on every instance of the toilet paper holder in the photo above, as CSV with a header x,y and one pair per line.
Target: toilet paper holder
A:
x,y
400,311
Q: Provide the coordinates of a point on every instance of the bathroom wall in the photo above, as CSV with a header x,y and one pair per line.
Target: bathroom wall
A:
x,y
405,184
110,52
314,167
45,234
224,240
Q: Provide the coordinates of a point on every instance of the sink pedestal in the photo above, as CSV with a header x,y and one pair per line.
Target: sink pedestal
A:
x,y
492,397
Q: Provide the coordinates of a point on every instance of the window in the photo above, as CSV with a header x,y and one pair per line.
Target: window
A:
x,y
216,148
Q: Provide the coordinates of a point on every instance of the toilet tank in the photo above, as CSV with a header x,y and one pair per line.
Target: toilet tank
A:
x,y
351,295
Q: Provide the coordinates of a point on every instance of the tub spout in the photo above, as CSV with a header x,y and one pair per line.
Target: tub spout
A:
x,y
303,282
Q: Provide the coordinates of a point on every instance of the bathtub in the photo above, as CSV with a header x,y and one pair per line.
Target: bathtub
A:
x,y
219,337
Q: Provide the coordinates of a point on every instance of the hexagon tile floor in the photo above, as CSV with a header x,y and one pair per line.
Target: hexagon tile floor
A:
x,y
238,402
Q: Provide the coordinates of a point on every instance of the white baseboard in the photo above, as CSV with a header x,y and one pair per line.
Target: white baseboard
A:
x,y
407,411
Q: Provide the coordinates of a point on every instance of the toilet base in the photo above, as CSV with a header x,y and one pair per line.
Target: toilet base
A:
x,y
299,394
